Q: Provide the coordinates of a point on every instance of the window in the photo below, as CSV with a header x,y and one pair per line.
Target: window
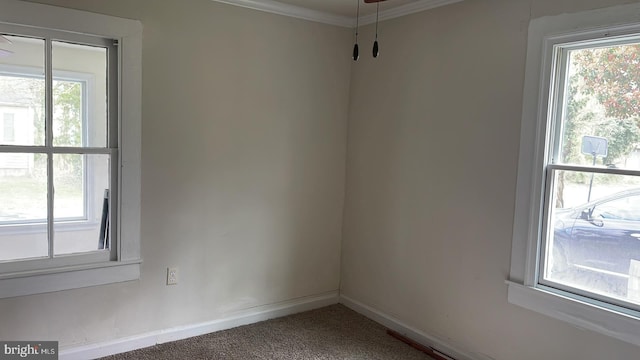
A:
x,y
589,238
70,150
576,237
8,128
78,121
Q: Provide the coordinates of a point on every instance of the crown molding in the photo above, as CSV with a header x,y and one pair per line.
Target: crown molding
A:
x,y
275,7
299,12
407,9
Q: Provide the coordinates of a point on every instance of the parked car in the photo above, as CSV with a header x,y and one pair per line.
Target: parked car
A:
x,y
602,236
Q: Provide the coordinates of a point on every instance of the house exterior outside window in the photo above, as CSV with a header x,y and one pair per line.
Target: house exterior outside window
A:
x,y
8,128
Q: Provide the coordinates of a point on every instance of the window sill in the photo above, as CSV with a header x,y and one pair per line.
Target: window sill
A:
x,y
67,278
584,315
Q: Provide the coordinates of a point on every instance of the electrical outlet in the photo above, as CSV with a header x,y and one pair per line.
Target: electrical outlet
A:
x,y
172,276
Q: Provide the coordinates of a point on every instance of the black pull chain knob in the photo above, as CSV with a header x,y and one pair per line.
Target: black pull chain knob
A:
x,y
375,51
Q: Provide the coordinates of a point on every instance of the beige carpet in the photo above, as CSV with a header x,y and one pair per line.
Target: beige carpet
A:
x,y
333,332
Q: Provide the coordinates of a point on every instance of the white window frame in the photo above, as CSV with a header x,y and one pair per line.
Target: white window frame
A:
x,y
124,265
523,287
66,224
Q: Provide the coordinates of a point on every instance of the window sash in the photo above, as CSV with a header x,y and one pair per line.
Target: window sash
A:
x,y
111,149
603,300
551,163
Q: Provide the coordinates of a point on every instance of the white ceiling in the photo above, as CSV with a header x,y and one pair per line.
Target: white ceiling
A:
x,y
346,8
339,12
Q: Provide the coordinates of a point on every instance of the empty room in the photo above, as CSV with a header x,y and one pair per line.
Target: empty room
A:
x,y
394,179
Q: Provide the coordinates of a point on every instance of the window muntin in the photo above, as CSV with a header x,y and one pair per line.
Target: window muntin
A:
x,y
65,135
592,165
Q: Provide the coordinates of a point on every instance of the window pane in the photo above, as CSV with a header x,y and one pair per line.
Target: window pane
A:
x,y
79,95
69,185
80,182
68,119
600,121
9,128
592,245
23,202
21,90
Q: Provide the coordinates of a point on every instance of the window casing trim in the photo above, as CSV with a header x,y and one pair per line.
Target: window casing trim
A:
x,y
545,34
67,278
128,35
580,313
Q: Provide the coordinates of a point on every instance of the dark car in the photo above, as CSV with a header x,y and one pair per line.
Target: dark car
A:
x,y
602,236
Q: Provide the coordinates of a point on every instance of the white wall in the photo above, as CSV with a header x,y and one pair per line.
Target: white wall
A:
x,y
243,168
434,132
244,131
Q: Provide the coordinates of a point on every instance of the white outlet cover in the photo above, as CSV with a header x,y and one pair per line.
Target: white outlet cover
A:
x,y
172,276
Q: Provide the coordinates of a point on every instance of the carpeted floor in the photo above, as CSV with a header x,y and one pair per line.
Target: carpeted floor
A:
x,y
333,332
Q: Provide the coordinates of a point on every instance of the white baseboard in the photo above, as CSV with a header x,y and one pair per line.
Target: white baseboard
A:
x,y
240,318
412,333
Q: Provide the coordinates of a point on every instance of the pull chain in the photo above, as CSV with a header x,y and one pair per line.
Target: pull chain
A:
x,y
356,51
375,43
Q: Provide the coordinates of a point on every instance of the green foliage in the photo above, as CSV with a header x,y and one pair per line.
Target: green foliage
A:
x,y
622,134
67,116
608,79
602,99
67,119
612,75
576,121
